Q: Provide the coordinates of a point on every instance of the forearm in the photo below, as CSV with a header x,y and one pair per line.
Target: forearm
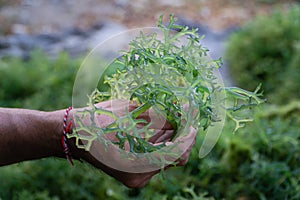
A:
x,y
29,134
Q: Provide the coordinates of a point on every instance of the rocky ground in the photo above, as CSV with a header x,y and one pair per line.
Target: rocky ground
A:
x,y
77,26
48,16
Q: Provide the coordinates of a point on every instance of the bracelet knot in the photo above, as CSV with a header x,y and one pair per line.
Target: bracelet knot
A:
x,y
66,130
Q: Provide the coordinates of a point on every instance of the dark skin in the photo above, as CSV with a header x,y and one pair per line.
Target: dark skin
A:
x,y
30,134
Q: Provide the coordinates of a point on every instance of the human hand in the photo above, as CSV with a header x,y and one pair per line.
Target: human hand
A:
x,y
133,173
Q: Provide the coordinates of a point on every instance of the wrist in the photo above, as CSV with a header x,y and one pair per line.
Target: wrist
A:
x,y
58,136
55,119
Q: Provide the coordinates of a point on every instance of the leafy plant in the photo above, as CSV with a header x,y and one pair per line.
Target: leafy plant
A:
x,y
266,50
165,75
37,83
257,163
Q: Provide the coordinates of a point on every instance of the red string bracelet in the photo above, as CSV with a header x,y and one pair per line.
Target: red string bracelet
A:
x,y
66,130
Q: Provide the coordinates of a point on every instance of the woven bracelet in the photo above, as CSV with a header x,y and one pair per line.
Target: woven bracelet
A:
x,y
66,130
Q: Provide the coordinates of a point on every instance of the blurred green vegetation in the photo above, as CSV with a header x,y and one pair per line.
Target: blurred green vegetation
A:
x,y
260,161
267,50
38,83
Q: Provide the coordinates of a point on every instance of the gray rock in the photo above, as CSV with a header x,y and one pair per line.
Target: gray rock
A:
x,y
107,30
74,41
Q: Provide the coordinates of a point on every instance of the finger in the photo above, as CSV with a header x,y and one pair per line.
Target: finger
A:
x,y
185,144
162,136
190,140
120,107
157,120
165,137
153,138
187,138
157,125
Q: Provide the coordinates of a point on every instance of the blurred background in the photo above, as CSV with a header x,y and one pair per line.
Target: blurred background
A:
x,y
42,44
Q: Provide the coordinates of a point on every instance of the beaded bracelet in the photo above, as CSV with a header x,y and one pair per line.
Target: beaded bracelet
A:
x,y
66,130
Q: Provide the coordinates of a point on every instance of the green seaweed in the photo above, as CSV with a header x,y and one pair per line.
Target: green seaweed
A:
x,y
168,77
